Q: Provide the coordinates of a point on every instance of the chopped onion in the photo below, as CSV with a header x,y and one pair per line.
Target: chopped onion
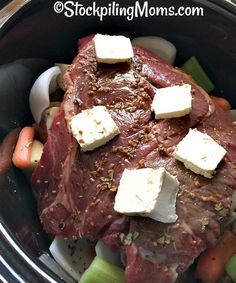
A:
x,y
36,153
48,116
158,45
105,253
63,68
73,256
42,88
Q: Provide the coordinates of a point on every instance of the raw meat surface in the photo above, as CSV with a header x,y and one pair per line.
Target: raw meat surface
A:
x,y
76,190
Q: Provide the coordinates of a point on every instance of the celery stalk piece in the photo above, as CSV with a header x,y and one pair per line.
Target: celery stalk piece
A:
x,y
230,268
101,271
123,32
193,68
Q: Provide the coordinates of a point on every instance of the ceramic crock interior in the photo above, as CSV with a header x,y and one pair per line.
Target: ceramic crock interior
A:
x,y
39,32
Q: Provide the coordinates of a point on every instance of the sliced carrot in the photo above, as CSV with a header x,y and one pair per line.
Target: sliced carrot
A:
x,y
222,102
7,149
21,155
210,266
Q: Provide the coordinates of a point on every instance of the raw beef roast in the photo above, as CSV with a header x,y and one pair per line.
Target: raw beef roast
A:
x,y
76,190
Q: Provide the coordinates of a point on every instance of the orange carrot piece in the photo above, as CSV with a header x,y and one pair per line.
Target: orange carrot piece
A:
x,y
222,102
7,149
21,155
210,266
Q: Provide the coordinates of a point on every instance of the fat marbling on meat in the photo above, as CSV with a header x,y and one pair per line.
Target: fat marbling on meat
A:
x,y
76,190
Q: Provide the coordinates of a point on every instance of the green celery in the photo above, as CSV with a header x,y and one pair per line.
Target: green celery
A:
x,y
101,271
193,68
124,33
230,268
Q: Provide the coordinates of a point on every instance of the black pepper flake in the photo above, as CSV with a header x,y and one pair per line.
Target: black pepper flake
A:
x,y
77,101
62,225
72,249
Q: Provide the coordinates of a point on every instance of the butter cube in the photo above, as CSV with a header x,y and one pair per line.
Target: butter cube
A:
x,y
172,102
148,192
112,49
199,153
93,128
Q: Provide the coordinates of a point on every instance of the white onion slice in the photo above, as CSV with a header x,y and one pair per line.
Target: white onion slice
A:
x,y
42,88
52,113
105,253
48,116
158,45
63,68
73,256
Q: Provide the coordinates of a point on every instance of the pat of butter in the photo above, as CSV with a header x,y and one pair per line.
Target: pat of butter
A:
x,y
112,49
199,153
172,102
93,127
148,192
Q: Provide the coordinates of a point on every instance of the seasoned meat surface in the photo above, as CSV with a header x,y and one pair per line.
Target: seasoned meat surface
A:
x,y
76,190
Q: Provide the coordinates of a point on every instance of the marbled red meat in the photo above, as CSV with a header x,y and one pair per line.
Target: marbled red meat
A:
x,y
76,190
